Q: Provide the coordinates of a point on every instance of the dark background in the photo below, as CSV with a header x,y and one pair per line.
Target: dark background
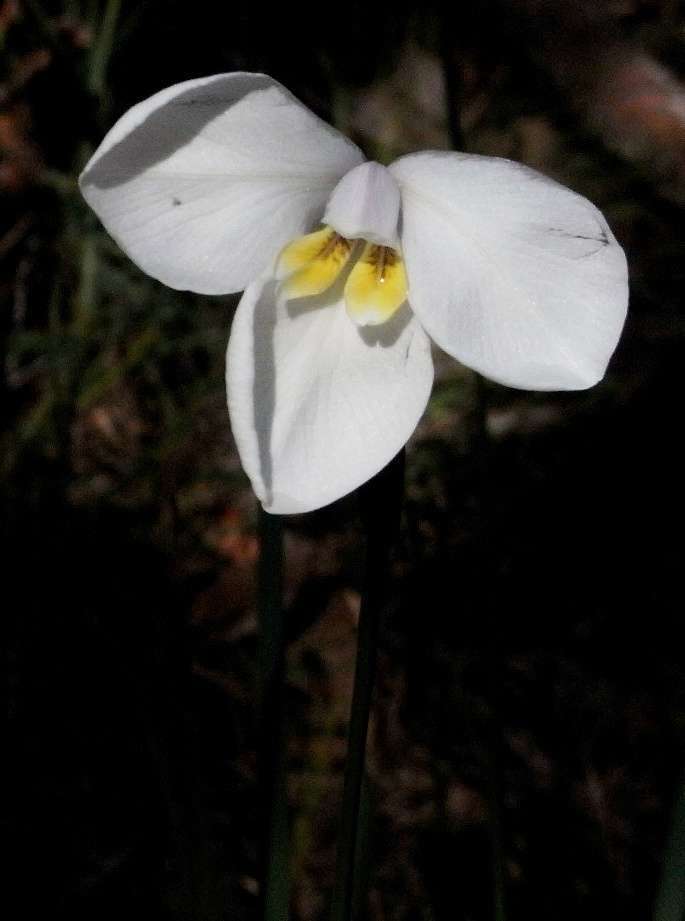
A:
x,y
531,697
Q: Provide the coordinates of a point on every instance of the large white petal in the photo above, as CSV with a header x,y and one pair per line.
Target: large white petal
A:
x,y
510,272
203,183
318,405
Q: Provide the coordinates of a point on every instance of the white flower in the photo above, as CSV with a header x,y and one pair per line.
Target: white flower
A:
x,y
209,186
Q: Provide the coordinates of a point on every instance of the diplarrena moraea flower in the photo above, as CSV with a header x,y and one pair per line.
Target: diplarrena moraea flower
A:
x,y
349,269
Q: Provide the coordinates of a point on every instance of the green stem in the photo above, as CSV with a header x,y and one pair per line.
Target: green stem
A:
x,y
670,902
102,48
274,857
452,71
380,502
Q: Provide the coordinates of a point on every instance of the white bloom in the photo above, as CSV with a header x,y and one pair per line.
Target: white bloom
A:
x,y
209,186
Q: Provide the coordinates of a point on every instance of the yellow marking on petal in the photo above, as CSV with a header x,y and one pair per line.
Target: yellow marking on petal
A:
x,y
377,286
312,263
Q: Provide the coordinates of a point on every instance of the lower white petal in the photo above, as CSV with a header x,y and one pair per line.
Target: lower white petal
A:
x,y
510,272
318,405
203,183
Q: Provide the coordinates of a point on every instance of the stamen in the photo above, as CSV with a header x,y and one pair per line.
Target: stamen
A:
x,y
377,286
312,263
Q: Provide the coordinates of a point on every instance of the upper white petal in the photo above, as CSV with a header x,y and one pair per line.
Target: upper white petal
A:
x,y
318,405
365,205
510,272
203,183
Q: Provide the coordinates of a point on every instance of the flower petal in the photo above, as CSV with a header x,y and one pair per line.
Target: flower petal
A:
x,y
311,264
317,405
203,183
376,287
510,272
365,205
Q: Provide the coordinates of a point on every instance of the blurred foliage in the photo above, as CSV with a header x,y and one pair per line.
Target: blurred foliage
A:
x,y
532,695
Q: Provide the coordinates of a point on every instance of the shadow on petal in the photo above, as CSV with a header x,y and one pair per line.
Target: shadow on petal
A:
x,y
386,334
170,127
264,384
329,298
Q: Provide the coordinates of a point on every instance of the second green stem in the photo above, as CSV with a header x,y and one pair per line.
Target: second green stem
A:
x,y
380,505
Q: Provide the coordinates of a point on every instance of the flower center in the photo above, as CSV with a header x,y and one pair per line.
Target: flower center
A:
x,y
375,288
